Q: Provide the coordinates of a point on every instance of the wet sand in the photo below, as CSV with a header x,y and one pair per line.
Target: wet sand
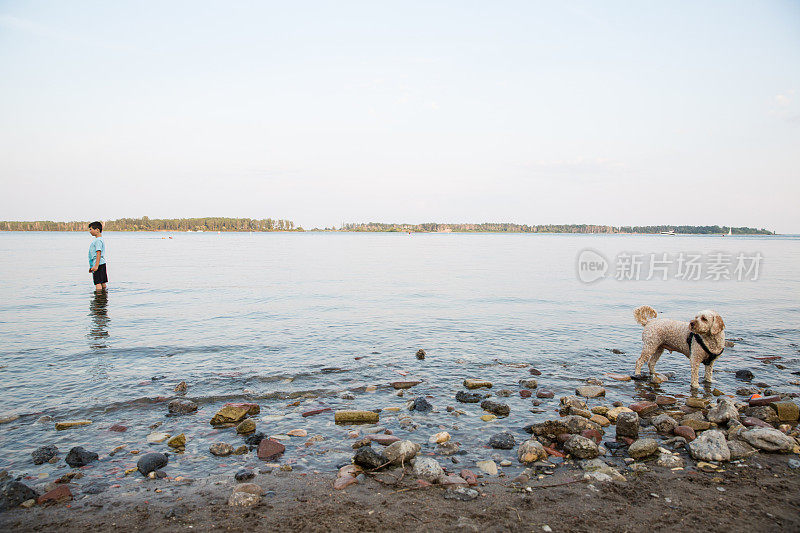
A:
x,y
759,494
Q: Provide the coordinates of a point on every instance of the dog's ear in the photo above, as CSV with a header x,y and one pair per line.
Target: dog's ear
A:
x,y
717,325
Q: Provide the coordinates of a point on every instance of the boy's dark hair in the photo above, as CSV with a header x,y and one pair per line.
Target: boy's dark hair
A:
x,y
96,225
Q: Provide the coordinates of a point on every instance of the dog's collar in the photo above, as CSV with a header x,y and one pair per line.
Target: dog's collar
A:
x,y
711,355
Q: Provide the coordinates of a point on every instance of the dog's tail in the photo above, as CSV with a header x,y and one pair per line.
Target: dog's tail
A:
x,y
644,314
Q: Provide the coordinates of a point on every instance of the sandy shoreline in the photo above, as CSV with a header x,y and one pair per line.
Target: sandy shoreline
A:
x,y
761,494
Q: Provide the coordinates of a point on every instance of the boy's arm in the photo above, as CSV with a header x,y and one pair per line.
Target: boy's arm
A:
x,y
96,262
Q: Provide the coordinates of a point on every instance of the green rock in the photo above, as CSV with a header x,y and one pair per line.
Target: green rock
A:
x,y
787,411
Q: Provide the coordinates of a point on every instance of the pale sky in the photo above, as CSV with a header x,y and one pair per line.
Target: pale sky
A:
x,y
623,113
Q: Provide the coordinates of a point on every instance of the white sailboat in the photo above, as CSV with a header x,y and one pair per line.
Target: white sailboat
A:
x,y
670,232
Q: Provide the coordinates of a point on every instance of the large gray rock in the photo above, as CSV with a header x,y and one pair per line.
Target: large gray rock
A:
x,y
724,411
642,448
13,493
401,451
567,424
590,391
181,406
710,446
429,469
664,423
768,439
628,425
581,447
740,450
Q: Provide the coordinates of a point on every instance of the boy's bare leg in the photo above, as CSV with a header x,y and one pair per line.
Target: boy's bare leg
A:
x,y
99,287
104,286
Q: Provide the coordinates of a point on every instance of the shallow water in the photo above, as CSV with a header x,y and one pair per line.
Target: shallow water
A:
x,y
275,318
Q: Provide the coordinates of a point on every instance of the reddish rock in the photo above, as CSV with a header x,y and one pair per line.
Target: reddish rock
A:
x,y
469,476
563,437
644,408
750,421
343,482
592,434
384,440
686,432
626,440
544,393
525,393
405,384
553,452
534,372
452,479
58,494
423,483
755,402
118,428
666,400
317,411
269,449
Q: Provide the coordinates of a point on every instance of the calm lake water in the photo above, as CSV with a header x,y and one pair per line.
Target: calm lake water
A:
x,y
275,318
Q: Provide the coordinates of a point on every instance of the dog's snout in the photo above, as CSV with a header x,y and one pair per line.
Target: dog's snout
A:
x,y
692,323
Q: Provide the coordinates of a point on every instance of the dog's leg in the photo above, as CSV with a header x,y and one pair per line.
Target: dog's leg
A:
x,y
695,363
708,375
647,351
651,364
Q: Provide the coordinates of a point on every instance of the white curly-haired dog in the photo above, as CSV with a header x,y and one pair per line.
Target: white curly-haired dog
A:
x,y
702,340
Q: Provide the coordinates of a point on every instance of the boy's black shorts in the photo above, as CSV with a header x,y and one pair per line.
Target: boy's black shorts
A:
x,y
100,275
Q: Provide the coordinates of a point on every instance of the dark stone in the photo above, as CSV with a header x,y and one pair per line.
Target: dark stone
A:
x,y
243,475
95,487
182,407
269,449
421,354
255,439
13,493
502,441
44,454
316,412
617,351
640,377
469,397
744,375
544,393
422,405
78,457
368,458
534,372
499,409
151,462
755,402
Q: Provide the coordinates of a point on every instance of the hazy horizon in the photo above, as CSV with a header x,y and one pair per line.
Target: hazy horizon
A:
x,y
620,113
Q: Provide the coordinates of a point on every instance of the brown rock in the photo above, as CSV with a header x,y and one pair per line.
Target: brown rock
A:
x,y
544,393
644,408
229,414
755,402
316,411
787,411
664,401
525,393
343,482
405,384
383,440
269,449
58,494
696,403
696,425
246,426
686,432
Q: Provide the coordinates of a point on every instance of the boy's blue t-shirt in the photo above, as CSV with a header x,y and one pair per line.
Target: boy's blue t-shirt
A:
x,y
97,244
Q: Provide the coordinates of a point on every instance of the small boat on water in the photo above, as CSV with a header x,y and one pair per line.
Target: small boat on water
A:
x,y
669,232
730,231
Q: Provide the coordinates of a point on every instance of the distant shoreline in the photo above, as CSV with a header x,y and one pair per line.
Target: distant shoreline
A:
x,y
268,225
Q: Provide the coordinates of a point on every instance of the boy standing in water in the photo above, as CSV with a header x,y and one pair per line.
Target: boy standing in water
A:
x,y
97,257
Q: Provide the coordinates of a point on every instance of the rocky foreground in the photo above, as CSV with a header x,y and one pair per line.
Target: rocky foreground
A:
x,y
740,454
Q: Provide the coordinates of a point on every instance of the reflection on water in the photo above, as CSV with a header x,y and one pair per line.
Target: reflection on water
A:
x,y
98,329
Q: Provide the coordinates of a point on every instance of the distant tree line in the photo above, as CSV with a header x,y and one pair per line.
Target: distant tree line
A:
x,y
545,228
159,224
